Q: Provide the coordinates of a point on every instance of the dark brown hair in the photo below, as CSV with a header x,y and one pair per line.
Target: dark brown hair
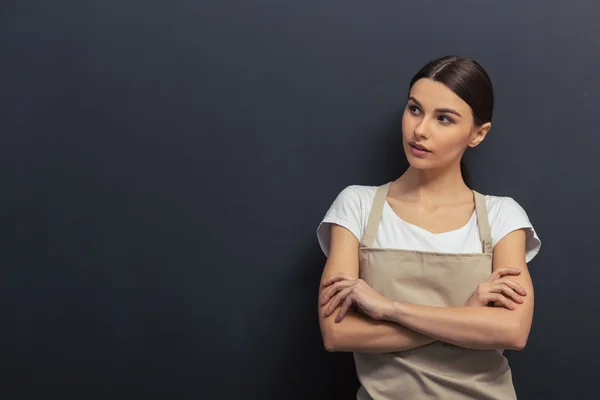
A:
x,y
469,81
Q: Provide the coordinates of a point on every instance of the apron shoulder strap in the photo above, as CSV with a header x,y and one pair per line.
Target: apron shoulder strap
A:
x,y
482,220
375,215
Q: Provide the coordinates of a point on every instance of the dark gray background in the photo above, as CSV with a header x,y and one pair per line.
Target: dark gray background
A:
x,y
164,166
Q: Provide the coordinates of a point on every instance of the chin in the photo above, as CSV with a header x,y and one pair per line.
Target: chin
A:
x,y
421,164
418,164
415,161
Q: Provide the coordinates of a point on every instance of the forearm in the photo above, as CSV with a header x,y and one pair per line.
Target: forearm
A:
x,y
359,333
472,327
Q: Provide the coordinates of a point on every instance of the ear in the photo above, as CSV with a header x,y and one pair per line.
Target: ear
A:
x,y
479,134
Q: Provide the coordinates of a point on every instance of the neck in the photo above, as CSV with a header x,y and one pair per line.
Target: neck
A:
x,y
434,186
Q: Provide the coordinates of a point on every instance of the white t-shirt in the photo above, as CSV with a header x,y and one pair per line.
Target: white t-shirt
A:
x,y
352,206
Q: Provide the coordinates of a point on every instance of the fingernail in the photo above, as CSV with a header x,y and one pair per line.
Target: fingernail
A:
x,y
512,307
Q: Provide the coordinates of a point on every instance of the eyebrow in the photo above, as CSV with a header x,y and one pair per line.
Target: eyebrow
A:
x,y
439,110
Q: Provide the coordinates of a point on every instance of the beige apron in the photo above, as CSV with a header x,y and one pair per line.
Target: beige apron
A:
x,y
438,370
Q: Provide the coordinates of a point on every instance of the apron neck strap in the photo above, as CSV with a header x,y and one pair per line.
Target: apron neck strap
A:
x,y
375,215
379,202
482,220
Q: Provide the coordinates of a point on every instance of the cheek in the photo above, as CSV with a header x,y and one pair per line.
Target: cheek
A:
x,y
454,142
408,125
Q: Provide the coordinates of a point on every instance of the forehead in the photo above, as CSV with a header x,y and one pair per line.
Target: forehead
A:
x,y
433,94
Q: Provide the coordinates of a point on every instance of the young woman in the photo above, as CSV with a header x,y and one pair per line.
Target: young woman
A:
x,y
426,280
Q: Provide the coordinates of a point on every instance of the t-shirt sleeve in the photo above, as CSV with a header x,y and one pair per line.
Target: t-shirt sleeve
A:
x,y
345,211
510,217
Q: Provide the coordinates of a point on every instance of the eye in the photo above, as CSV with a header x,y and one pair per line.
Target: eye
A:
x,y
413,109
445,119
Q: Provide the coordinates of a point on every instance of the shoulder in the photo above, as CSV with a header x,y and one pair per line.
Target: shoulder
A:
x,y
505,215
355,196
359,191
502,207
349,209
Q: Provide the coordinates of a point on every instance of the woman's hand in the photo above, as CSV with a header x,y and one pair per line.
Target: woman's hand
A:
x,y
346,290
500,291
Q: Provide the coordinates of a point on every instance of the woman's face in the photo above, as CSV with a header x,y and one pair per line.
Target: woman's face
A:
x,y
438,126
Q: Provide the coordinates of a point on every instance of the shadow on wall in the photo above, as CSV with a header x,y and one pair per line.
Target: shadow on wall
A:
x,y
383,157
306,370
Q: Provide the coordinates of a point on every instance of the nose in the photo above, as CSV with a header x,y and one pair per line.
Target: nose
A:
x,y
421,130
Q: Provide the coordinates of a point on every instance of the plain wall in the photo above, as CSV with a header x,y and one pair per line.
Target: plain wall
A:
x,y
164,167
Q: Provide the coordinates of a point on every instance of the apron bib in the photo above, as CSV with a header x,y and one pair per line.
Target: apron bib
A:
x,y
438,370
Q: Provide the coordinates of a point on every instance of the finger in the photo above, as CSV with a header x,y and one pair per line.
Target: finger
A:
x,y
336,278
507,291
514,285
333,289
335,301
332,279
499,273
344,308
502,300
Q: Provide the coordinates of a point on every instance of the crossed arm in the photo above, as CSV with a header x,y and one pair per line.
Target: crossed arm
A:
x,y
405,326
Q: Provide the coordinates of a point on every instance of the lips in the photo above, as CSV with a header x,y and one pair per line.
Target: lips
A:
x,y
419,147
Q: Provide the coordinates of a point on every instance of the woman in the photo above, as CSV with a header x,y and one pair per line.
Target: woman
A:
x,y
426,280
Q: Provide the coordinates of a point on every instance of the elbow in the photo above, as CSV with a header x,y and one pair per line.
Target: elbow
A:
x,y
518,343
330,337
329,344
517,338
329,341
